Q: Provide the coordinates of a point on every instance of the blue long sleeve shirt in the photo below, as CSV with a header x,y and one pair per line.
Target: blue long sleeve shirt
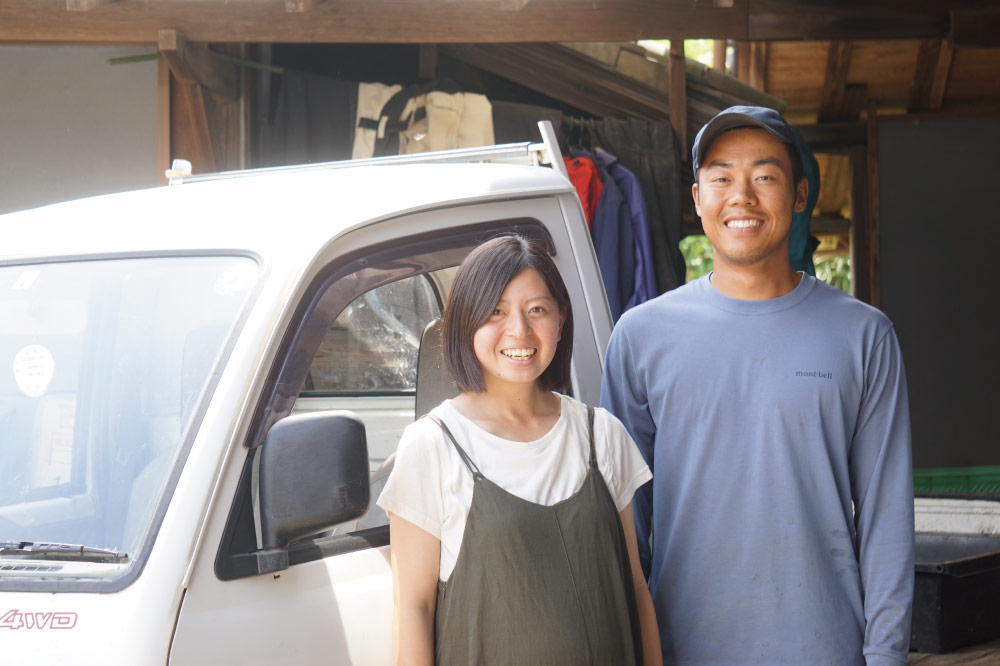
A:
x,y
778,527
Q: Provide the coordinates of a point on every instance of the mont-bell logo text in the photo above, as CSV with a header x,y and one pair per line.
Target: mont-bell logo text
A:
x,y
819,374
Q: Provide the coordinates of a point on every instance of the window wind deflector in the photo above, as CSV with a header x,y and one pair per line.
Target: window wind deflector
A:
x,y
60,551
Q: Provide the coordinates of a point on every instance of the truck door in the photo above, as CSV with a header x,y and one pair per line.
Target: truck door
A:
x,y
354,344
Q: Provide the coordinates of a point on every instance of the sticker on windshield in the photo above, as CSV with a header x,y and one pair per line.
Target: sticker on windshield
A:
x,y
33,370
25,280
235,279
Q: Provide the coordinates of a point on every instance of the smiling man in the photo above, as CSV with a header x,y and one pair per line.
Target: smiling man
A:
x,y
772,410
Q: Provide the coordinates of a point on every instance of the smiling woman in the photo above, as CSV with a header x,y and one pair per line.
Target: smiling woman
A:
x,y
481,485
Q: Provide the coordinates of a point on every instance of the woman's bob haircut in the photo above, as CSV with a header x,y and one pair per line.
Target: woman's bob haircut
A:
x,y
476,290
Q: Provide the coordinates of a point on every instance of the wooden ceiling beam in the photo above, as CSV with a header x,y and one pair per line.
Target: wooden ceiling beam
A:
x,y
300,5
833,138
941,72
930,78
975,28
854,102
822,20
374,21
829,225
85,5
838,62
565,75
468,21
196,64
923,73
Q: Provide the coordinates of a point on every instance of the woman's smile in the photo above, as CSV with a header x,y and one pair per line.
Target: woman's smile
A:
x,y
519,354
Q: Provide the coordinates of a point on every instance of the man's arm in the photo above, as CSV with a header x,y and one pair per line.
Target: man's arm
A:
x,y
882,489
623,396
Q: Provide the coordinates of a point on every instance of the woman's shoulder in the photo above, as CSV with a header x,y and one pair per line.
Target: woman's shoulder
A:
x,y
604,421
433,433
618,458
573,405
424,435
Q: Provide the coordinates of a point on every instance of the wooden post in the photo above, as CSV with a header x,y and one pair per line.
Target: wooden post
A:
x,y
874,287
860,277
678,93
743,61
758,65
248,122
163,156
719,55
190,136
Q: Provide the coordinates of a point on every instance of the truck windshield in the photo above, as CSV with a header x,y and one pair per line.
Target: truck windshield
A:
x,y
101,367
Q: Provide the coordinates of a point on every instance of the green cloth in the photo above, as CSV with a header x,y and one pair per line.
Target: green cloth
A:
x,y
801,244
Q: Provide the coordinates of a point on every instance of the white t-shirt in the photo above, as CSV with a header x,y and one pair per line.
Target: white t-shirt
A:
x,y
431,487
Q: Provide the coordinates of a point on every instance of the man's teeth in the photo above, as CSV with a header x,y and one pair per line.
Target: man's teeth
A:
x,y
518,353
743,224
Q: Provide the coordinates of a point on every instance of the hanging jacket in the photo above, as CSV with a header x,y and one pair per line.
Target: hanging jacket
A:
x,y
613,243
649,149
312,119
644,277
583,174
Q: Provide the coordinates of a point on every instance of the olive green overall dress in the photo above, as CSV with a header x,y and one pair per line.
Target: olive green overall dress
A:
x,y
537,584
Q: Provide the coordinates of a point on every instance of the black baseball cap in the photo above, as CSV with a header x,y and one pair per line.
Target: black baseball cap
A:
x,y
739,116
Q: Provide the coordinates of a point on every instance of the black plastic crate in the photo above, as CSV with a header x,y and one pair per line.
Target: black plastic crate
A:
x,y
956,599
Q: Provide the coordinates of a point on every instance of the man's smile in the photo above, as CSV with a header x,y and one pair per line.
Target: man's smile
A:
x,y
744,223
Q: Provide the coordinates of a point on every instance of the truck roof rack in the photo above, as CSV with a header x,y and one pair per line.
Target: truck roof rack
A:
x,y
526,153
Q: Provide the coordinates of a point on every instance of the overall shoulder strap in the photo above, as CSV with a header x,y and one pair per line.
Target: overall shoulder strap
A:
x,y
476,474
590,434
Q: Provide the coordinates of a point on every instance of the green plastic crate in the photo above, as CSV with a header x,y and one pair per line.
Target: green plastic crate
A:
x,y
971,480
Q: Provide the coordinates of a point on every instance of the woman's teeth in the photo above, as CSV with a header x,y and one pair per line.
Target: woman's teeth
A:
x,y
519,354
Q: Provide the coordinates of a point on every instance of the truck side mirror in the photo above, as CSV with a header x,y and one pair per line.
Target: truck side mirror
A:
x,y
313,475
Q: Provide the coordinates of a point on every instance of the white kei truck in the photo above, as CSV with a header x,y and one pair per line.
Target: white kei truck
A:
x,y
202,387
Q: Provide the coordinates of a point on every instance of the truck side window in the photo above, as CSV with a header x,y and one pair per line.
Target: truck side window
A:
x,y
367,363
371,349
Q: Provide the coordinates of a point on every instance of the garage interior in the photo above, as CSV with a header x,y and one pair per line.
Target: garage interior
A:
x,y
899,101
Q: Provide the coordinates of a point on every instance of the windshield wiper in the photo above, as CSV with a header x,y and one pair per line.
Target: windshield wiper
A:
x,y
60,551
